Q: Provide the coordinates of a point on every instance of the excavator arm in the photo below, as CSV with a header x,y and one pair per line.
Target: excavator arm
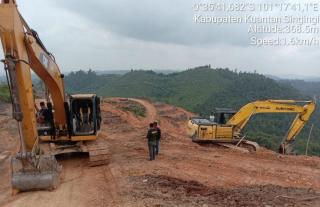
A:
x,y
241,118
297,125
44,65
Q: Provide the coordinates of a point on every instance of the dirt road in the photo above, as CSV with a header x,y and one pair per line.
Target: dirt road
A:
x,y
184,174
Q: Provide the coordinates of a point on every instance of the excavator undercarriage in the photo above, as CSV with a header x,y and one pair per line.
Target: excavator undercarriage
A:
x,y
98,150
242,145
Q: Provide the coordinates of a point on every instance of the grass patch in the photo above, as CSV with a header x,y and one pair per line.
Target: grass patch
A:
x,y
4,94
135,108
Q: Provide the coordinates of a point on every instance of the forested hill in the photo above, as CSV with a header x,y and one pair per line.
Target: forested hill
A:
x,y
201,90
311,88
195,89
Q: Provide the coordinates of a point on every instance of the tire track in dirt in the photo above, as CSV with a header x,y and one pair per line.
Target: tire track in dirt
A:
x,y
113,187
150,109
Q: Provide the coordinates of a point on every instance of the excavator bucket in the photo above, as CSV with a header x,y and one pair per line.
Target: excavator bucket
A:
x,y
286,149
43,174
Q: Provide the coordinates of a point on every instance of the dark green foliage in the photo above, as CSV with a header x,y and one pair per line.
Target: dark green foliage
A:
x,y
85,82
4,93
201,90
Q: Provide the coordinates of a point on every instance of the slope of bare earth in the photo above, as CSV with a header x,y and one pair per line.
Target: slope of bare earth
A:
x,y
184,174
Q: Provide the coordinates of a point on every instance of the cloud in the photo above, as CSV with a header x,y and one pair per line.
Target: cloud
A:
x,y
164,21
124,34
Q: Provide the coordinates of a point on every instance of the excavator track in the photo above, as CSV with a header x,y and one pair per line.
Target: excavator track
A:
x,y
99,153
249,145
244,146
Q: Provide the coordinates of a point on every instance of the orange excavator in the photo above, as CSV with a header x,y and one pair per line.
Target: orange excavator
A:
x,y
75,119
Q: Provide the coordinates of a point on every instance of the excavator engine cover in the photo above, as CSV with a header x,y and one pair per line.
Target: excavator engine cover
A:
x,y
45,176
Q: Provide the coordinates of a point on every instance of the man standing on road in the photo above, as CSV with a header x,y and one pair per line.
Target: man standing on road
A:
x,y
155,125
152,141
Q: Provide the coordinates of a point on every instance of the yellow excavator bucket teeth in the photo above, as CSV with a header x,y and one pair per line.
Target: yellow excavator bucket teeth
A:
x,y
45,176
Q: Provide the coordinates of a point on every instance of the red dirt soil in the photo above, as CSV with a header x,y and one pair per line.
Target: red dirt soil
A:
x,y
184,174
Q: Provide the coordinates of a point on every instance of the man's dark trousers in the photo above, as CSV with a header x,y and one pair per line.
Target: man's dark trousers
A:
x,y
157,146
152,150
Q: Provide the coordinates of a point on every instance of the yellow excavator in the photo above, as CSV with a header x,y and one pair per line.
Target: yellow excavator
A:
x,y
226,125
75,120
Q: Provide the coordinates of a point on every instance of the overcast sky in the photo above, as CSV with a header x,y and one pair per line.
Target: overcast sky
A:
x,y
153,34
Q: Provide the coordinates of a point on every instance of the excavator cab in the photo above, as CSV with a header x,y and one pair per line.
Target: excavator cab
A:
x,y
223,115
83,112
85,115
